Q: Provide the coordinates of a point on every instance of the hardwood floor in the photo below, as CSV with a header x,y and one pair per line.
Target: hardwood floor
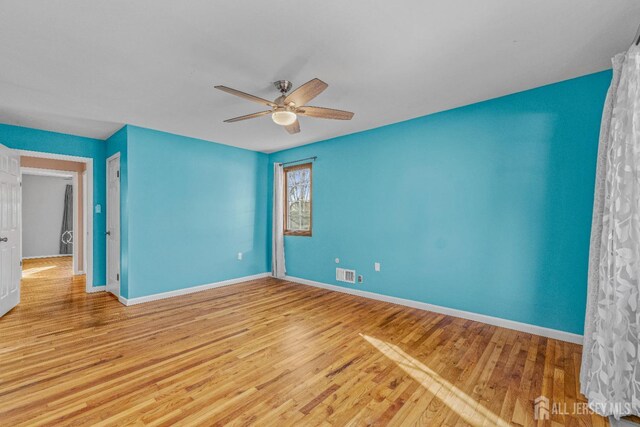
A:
x,y
266,352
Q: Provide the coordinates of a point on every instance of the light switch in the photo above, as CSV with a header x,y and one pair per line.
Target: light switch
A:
x,y
98,208
239,256
376,266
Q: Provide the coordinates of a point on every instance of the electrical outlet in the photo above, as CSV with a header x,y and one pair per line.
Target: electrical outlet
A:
x,y
337,260
239,256
360,278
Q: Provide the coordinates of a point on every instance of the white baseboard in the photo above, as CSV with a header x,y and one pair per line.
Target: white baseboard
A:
x,y
46,256
93,289
496,321
185,291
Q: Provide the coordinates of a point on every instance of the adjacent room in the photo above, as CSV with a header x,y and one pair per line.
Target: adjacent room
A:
x,y
326,213
47,215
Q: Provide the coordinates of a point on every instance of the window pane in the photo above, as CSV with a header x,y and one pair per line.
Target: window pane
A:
x,y
298,200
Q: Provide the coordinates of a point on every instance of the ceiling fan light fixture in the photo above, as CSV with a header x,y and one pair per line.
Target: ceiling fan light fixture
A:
x,y
284,118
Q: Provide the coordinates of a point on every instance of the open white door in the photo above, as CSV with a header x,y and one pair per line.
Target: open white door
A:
x,y
10,224
113,224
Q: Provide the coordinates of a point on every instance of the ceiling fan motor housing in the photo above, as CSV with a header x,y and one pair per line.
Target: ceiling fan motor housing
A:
x,y
283,86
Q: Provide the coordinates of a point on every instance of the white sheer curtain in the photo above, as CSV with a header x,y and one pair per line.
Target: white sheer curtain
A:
x,y
610,372
277,251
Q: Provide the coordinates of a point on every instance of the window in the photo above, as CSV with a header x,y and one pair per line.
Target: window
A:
x,y
297,203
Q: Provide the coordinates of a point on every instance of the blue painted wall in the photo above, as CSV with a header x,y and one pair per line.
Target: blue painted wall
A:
x,y
117,143
192,206
485,208
57,143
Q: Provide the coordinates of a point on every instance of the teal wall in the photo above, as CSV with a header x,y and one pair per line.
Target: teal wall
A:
x,y
192,206
485,208
117,143
57,143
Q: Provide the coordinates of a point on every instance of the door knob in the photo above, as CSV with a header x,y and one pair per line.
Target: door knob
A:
x,y
4,239
108,233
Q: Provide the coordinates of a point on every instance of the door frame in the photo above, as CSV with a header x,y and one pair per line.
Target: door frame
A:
x,y
110,158
88,192
74,247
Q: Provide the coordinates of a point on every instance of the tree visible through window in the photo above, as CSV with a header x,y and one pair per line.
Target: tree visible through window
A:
x,y
297,212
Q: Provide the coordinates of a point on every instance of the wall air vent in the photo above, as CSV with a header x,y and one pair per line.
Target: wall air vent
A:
x,y
348,276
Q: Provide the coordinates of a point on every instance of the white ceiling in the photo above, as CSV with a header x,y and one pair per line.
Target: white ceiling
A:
x,y
86,67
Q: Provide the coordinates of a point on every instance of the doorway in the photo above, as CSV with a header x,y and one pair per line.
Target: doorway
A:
x,y
65,250
73,203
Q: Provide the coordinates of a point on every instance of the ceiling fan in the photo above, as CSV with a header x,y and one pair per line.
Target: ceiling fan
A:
x,y
285,109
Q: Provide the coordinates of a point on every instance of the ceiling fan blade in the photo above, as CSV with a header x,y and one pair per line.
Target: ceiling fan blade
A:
x,y
293,128
246,96
324,113
306,92
248,116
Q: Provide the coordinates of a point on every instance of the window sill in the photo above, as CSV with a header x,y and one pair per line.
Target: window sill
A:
x,y
298,233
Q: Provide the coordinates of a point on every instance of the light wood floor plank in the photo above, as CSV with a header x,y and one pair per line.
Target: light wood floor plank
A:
x,y
265,352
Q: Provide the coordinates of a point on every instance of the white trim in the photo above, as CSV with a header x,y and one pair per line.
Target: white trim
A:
x,y
97,289
88,161
88,247
185,291
46,256
74,207
496,321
